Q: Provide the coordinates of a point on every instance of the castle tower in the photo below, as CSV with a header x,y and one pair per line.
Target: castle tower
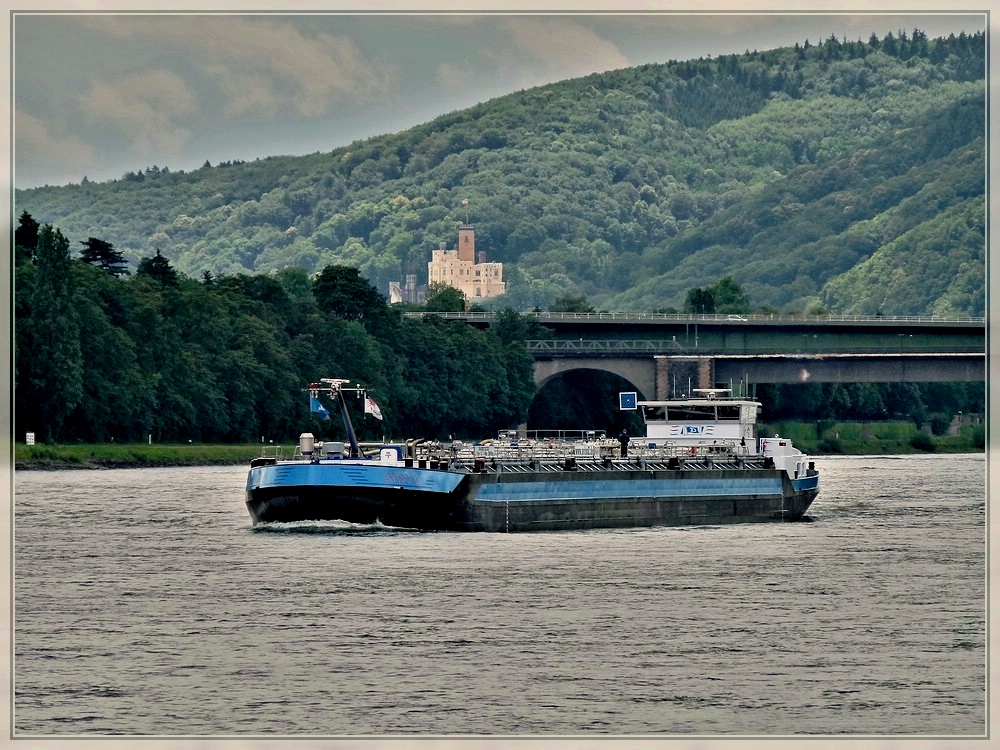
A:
x,y
467,243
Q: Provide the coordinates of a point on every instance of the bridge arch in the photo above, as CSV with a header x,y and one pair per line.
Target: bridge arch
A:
x,y
641,373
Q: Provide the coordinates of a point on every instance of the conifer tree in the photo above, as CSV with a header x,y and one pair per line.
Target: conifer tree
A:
x,y
25,238
158,268
51,371
103,255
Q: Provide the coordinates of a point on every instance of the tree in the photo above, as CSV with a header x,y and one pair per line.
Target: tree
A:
x,y
724,296
157,268
729,296
103,255
571,303
444,298
115,394
25,239
903,399
50,374
510,327
699,301
342,291
838,402
866,401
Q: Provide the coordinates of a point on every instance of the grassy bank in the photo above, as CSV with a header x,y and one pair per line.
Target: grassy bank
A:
x,y
129,455
814,438
875,438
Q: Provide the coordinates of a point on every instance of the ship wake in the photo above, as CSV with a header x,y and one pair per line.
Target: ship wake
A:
x,y
328,528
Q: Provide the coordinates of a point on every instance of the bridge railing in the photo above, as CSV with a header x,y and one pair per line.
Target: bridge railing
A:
x,y
540,348
486,316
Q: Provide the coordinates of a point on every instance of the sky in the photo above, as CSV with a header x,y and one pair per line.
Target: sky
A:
x,y
101,89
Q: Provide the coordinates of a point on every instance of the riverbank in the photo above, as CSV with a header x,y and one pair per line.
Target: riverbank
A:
x,y
130,455
826,438
814,438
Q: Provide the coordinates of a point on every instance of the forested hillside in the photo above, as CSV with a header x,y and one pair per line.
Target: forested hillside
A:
x,y
847,176
102,354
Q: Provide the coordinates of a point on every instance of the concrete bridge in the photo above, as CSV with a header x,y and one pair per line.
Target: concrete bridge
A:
x,y
666,355
661,376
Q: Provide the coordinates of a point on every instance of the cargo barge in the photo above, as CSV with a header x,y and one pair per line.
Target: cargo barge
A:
x,y
700,463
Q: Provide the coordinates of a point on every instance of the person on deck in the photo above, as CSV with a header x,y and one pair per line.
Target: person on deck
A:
x,y
623,439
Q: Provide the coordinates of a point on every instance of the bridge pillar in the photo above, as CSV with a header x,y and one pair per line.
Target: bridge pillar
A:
x,y
706,372
677,376
662,383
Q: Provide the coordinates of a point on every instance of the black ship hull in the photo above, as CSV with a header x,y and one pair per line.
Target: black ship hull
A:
x,y
444,500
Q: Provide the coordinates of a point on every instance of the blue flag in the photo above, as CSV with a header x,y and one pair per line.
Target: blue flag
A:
x,y
317,408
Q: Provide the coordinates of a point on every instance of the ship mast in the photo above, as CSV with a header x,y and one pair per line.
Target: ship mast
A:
x,y
336,386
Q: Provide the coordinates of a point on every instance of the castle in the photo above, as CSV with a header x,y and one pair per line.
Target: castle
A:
x,y
459,268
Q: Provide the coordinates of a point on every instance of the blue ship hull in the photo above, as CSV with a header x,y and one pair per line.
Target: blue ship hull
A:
x,y
507,501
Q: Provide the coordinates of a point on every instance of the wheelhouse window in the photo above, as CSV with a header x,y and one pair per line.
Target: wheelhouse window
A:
x,y
729,412
654,413
692,413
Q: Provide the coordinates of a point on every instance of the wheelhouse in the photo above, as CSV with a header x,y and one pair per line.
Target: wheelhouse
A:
x,y
710,417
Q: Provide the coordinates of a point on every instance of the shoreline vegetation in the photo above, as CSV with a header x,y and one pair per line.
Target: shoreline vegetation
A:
x,y
814,438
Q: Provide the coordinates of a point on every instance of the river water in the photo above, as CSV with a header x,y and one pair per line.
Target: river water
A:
x,y
146,604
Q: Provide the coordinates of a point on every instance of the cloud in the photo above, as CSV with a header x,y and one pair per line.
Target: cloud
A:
x,y
149,108
39,148
453,76
526,51
245,92
559,46
260,64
